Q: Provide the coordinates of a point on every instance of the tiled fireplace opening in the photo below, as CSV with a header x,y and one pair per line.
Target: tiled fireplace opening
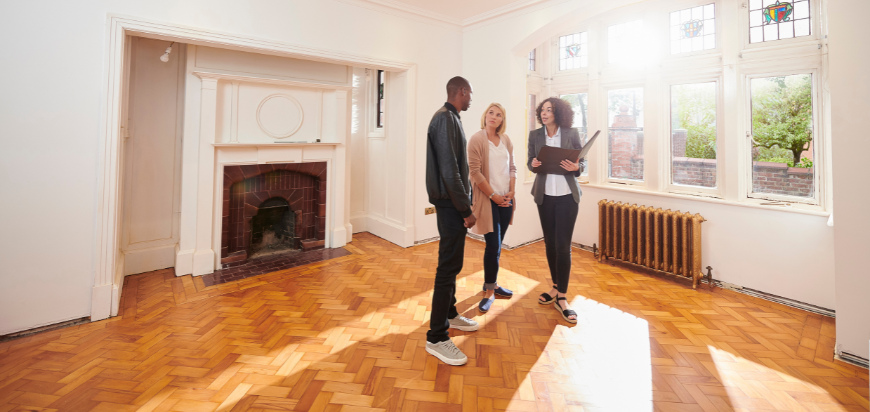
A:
x,y
272,208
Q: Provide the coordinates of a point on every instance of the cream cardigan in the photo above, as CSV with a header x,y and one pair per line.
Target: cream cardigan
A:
x,y
478,172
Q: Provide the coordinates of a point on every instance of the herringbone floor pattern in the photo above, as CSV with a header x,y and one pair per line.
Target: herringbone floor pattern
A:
x,y
348,334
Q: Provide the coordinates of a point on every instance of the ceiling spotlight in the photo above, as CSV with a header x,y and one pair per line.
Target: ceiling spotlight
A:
x,y
165,57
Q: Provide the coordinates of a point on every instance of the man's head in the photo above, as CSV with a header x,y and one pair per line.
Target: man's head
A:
x,y
459,93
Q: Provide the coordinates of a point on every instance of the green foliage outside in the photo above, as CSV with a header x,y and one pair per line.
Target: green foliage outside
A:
x,y
782,119
693,107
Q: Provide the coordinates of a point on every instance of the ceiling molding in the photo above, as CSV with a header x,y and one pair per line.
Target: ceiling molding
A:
x,y
404,10
418,13
507,8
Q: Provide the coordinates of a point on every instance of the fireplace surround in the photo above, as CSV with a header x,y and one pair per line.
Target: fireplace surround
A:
x,y
248,188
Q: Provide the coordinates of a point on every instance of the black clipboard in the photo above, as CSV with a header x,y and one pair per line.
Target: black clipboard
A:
x,y
551,157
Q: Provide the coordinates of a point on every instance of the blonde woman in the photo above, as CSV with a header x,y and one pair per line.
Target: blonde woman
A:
x,y
493,175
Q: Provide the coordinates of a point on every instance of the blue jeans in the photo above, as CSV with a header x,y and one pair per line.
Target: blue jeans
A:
x,y
501,218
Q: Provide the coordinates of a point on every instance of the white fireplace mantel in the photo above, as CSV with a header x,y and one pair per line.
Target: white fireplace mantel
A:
x,y
234,130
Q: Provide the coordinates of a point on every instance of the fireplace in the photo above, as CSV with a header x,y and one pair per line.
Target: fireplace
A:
x,y
272,208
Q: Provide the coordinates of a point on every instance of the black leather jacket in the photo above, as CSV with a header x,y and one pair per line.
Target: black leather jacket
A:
x,y
447,162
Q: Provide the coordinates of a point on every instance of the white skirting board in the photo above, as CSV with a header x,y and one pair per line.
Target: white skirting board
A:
x,y
146,260
393,232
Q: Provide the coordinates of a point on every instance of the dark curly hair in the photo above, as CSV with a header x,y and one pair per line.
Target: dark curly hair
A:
x,y
561,111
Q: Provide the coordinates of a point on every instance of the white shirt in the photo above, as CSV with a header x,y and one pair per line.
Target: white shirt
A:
x,y
556,184
499,167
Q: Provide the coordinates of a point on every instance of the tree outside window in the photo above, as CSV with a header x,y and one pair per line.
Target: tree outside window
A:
x,y
782,135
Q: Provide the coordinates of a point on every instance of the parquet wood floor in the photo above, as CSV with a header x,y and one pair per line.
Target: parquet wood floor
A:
x,y
348,334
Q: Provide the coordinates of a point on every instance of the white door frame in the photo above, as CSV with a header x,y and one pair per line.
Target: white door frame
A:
x,y
106,293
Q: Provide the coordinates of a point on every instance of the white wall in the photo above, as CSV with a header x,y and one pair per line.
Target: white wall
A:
x,y
783,253
51,114
152,159
850,101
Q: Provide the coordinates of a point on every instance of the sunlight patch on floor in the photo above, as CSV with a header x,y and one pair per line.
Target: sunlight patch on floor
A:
x,y
605,364
765,386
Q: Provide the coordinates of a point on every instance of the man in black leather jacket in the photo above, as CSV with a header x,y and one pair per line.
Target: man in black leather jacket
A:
x,y
450,191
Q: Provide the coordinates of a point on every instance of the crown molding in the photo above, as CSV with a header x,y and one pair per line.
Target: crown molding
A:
x,y
507,8
418,13
407,11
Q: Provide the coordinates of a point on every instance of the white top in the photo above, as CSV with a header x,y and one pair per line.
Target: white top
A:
x,y
499,167
556,184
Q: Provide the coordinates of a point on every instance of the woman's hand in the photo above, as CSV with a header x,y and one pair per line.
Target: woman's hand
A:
x,y
570,166
508,199
499,200
536,162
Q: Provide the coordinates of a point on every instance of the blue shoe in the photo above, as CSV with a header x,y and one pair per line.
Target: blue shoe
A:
x,y
502,292
485,304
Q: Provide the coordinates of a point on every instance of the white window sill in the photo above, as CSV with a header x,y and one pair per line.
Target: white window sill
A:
x,y
751,203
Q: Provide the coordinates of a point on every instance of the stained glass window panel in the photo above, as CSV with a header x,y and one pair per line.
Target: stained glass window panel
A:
x,y
693,29
771,20
573,51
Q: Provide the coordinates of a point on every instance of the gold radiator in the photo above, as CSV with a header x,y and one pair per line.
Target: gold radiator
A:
x,y
658,239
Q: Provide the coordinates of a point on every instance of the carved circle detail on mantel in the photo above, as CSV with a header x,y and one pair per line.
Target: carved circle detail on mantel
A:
x,y
280,116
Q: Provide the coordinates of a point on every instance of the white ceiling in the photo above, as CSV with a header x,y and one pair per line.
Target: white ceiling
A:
x,y
459,9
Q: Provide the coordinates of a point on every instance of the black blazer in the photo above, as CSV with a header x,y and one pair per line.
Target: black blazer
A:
x,y
570,140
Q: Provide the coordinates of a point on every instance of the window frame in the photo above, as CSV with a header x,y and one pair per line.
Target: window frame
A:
x,y
818,142
589,120
814,37
554,52
717,5
666,143
605,112
731,64
378,108
533,60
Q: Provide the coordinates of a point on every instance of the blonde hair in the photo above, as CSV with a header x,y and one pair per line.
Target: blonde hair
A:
x,y
500,129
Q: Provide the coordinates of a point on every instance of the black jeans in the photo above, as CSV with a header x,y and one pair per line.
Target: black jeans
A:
x,y
558,215
501,219
451,251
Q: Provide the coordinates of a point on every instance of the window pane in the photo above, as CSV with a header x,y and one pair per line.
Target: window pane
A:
x,y
695,27
625,42
380,117
578,102
533,104
778,20
782,135
625,134
573,51
693,134
532,59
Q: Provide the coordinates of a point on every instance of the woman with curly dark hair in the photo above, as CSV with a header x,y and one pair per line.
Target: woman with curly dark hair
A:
x,y
557,197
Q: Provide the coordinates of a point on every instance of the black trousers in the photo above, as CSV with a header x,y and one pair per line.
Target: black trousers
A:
x,y
558,215
501,219
451,251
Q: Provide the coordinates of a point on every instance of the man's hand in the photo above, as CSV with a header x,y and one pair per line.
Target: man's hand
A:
x,y
470,221
536,162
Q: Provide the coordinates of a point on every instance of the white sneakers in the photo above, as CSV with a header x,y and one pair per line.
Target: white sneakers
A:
x,y
464,324
446,351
